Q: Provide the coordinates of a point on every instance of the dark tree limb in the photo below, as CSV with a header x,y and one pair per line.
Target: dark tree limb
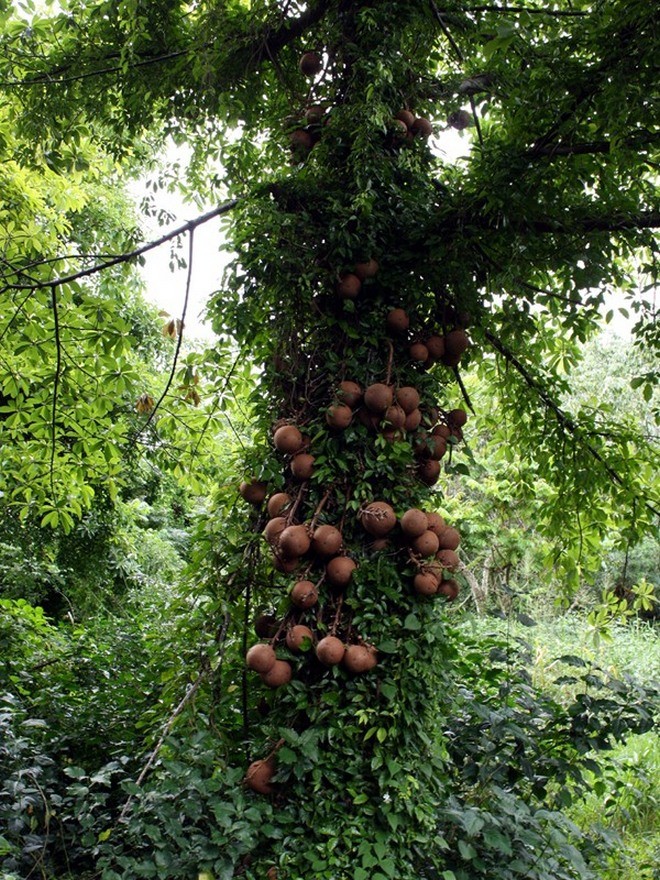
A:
x,y
56,385
565,420
190,226
532,10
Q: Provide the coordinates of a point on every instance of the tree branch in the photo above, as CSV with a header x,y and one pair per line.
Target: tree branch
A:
x,y
561,416
190,226
56,386
506,10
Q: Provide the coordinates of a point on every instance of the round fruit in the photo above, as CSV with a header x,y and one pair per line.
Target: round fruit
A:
x,y
302,466
280,674
442,431
311,63
349,393
419,353
406,117
304,594
339,416
253,492
368,269
370,420
457,418
299,637
425,584
426,544
436,347
459,119
436,523
422,127
259,775
397,321
277,503
399,128
301,140
456,342
348,286
378,518
449,588
327,541
379,544
330,651
378,397
449,539
287,439
394,416
265,626
359,658
294,541
286,566
274,529
437,447
408,398
260,657
413,420
339,571
448,559
314,114
429,472
414,523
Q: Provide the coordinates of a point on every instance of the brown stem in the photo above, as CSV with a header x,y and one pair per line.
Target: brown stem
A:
x,y
390,359
335,623
319,508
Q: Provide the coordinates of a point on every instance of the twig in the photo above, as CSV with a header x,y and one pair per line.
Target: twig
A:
x,y
526,9
446,31
461,385
56,386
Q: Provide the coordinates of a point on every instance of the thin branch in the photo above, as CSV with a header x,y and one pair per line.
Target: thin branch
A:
x,y
555,13
170,378
443,25
56,386
190,226
561,416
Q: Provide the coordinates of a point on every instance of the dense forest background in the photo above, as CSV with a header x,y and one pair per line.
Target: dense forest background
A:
x,y
506,733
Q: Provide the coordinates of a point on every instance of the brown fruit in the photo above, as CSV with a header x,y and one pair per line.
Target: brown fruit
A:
x,y
456,434
280,674
253,492
287,439
436,523
437,447
436,347
274,529
330,651
394,416
259,775
393,434
368,419
397,321
459,119
311,63
399,128
422,127
456,342
277,503
294,542
413,420
429,472
426,544
414,523
260,657
379,544
265,626
378,397
448,559
449,539
339,416
419,353
442,431
426,583
368,269
359,658
378,518
457,418
327,541
286,566
301,140
406,117
339,571
314,114
304,594
408,398
302,466
299,637
449,588
348,286
349,393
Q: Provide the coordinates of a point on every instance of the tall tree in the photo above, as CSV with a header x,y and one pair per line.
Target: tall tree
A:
x,y
362,259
